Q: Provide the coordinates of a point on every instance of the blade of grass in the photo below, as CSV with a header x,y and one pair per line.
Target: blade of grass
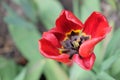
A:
x,y
35,69
77,73
104,76
53,71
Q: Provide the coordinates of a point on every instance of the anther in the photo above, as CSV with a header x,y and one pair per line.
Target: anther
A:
x,y
75,44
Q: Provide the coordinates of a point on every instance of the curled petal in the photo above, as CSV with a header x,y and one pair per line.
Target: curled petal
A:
x,y
48,50
51,38
62,58
87,47
60,36
96,25
85,63
67,22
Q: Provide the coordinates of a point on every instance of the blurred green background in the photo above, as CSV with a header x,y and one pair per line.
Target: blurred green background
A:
x,y
22,23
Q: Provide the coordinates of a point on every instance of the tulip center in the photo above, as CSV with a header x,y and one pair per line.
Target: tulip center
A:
x,y
72,43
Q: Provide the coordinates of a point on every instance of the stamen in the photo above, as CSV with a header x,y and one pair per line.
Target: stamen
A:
x,y
63,50
73,42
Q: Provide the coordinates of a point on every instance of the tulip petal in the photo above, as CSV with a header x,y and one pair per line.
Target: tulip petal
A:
x,y
62,58
96,25
52,39
67,22
60,36
87,47
48,50
85,63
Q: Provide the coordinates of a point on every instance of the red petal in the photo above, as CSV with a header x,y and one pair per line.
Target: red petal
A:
x,y
67,22
62,58
52,39
96,25
87,47
60,36
85,63
48,50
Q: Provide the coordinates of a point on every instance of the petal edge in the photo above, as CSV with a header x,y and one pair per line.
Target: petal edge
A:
x,y
67,21
85,63
96,25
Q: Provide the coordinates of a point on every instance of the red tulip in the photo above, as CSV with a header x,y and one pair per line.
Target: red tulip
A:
x,y
71,40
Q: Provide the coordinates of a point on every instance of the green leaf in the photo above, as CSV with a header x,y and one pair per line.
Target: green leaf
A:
x,y
87,7
99,54
24,34
28,8
115,70
117,76
34,70
13,18
21,76
0,78
109,62
26,43
113,44
53,71
48,11
104,76
76,7
8,69
77,73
